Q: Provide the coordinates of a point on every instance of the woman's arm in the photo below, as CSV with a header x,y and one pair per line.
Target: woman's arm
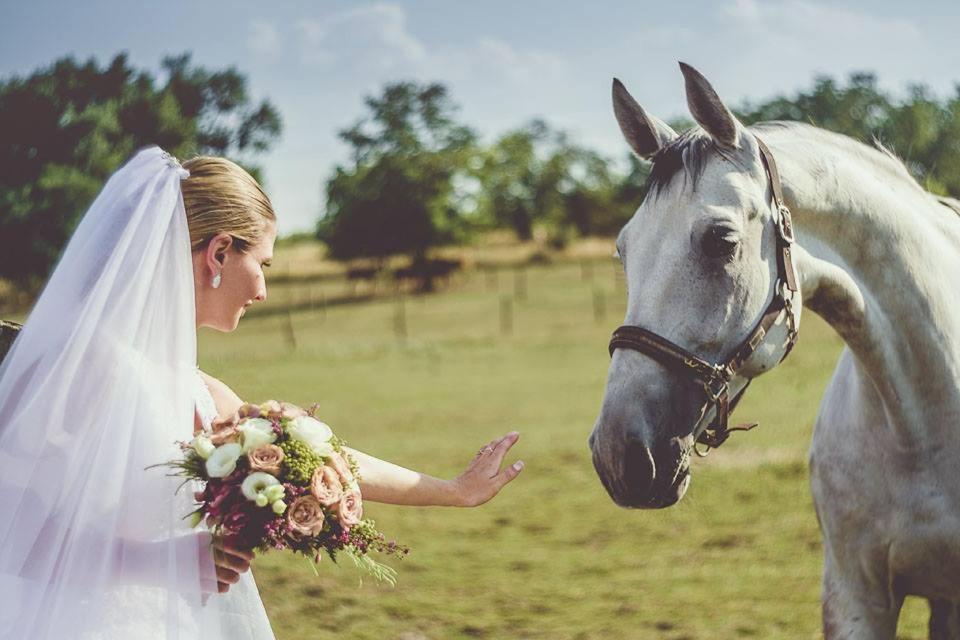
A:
x,y
383,481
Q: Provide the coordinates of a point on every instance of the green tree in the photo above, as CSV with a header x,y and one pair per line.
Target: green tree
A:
x,y
536,175
65,128
398,195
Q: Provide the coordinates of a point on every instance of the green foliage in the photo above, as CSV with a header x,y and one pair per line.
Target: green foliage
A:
x,y
398,194
65,128
535,175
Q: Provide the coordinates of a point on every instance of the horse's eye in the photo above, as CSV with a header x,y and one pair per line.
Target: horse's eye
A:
x,y
720,242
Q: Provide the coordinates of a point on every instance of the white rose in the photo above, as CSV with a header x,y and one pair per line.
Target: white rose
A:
x,y
256,432
312,432
203,446
223,460
254,487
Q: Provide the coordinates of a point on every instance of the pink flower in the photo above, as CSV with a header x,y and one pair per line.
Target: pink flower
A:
x,y
325,486
267,458
350,509
342,467
224,430
305,516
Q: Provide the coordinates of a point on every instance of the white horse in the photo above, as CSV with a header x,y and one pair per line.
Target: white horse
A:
x,y
879,259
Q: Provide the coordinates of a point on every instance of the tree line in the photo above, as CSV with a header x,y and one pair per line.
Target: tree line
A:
x,y
416,177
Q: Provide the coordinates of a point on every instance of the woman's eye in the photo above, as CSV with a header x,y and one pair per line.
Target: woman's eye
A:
x,y
720,242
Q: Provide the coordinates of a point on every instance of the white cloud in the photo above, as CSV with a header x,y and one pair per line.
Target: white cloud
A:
x,y
264,38
517,65
374,36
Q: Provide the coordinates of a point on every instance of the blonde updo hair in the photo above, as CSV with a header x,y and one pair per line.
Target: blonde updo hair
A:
x,y
221,197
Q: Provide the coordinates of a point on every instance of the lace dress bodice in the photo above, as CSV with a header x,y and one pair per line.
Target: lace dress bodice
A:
x,y
206,407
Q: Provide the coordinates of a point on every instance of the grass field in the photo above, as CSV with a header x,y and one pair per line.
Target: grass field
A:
x,y
551,557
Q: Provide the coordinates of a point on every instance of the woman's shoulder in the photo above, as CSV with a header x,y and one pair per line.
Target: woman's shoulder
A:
x,y
224,397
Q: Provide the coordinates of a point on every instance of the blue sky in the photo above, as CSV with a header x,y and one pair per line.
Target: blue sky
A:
x,y
505,62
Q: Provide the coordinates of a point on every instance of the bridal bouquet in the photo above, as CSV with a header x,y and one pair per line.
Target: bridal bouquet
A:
x,y
275,477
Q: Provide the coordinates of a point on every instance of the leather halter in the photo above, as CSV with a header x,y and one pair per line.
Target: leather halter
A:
x,y
716,378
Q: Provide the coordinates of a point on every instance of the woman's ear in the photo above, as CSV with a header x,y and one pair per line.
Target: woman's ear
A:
x,y
216,252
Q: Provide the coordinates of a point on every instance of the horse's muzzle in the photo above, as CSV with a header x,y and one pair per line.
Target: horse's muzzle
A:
x,y
638,477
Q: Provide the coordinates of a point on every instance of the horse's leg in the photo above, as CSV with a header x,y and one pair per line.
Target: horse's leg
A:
x,y
857,598
848,613
944,620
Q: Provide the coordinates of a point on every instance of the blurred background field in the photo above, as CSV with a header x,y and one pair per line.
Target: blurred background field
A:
x,y
552,557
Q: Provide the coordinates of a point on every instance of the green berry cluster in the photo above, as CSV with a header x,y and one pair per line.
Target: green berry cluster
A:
x,y
299,461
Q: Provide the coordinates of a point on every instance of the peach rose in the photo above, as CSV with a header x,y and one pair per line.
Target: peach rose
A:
x,y
305,516
271,409
224,430
325,486
341,466
350,509
266,458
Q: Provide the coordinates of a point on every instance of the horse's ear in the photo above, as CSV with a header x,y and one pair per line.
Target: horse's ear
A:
x,y
645,134
708,110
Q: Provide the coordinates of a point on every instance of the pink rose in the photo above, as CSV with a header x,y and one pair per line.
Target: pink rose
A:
x,y
325,486
341,466
224,430
305,516
350,509
266,458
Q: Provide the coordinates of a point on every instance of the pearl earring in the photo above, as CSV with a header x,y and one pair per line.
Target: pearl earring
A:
x,y
216,281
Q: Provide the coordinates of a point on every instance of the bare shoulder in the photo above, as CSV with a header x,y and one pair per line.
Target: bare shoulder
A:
x,y
224,397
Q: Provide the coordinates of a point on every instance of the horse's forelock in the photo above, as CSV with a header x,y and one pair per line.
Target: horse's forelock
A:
x,y
687,155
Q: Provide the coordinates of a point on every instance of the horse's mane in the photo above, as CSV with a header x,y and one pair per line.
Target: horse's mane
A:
x,y
883,157
689,153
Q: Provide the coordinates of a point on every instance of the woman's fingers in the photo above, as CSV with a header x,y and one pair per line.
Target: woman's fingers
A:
x,y
230,558
509,474
227,576
227,545
501,448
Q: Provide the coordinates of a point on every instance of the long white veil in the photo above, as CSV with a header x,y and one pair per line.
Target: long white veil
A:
x,y
96,388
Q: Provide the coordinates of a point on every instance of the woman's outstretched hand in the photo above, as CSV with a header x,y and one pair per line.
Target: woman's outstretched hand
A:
x,y
484,478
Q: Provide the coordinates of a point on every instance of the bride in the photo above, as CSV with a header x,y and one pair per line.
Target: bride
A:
x,y
101,384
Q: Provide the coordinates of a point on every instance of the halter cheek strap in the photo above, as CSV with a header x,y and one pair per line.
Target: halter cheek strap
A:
x,y
716,378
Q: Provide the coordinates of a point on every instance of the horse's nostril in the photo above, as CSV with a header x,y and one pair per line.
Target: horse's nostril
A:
x,y
639,469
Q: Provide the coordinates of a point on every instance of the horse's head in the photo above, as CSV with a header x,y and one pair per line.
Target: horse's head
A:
x,y
701,262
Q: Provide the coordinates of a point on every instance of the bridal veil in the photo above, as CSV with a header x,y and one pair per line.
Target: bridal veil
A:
x,y
96,389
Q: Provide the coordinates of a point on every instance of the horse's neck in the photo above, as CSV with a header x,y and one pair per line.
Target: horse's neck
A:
x,y
879,259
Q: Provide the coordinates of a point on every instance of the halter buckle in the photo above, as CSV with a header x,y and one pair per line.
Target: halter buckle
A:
x,y
716,386
785,225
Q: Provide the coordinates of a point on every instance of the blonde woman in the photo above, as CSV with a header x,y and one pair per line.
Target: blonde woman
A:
x,y
101,383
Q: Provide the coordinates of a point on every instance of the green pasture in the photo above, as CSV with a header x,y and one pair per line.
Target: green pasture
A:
x,y
551,557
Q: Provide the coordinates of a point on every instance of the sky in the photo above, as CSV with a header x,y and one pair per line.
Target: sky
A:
x,y
505,62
